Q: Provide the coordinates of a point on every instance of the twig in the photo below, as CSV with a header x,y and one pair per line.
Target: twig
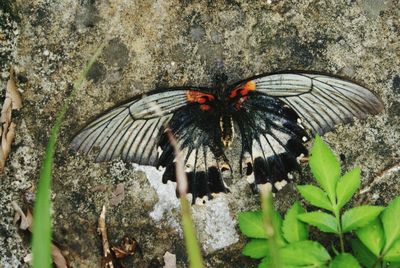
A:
x,y
102,229
386,172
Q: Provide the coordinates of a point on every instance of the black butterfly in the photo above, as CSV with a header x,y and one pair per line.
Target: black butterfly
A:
x,y
270,116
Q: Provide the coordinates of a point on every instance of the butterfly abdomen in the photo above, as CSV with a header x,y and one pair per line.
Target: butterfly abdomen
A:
x,y
227,130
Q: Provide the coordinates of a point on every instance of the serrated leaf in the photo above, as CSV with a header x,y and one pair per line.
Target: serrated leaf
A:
x,y
277,223
390,222
323,221
294,230
344,260
325,167
363,254
372,236
347,186
251,224
304,253
359,216
315,196
393,254
264,263
256,248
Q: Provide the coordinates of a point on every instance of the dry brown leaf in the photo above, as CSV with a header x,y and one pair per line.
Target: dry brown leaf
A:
x,y
128,247
58,258
7,129
13,92
20,215
118,195
169,260
26,224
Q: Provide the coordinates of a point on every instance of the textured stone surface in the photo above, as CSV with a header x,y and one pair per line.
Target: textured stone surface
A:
x,y
173,43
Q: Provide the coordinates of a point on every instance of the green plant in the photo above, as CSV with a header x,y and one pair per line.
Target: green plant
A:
x,y
376,228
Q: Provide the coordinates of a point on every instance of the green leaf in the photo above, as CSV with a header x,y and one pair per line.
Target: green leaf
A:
x,y
323,221
256,248
304,253
325,167
347,186
393,254
293,229
264,263
251,224
359,216
390,222
315,196
363,254
277,223
372,236
394,265
344,260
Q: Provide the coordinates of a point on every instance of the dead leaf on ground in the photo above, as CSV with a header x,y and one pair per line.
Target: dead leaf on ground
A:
x,y
128,247
20,215
12,101
26,224
118,195
58,258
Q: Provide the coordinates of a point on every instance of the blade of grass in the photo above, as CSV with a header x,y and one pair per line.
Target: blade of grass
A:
x,y
41,240
189,231
271,230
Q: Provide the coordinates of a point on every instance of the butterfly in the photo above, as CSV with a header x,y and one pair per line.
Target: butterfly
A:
x,y
268,117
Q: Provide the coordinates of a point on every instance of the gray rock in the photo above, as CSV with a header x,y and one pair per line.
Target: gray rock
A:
x,y
175,43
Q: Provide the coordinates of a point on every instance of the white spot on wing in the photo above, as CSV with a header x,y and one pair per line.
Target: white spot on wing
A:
x,y
280,184
250,179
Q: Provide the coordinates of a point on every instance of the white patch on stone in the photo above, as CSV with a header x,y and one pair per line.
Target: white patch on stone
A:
x,y
217,225
167,200
290,176
304,139
214,221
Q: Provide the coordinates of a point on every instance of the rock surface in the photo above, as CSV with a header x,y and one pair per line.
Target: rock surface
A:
x,y
162,43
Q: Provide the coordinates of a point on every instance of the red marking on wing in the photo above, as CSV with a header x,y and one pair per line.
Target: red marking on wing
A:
x,y
205,107
199,97
243,90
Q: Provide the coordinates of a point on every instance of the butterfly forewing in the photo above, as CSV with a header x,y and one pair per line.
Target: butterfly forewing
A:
x,y
321,101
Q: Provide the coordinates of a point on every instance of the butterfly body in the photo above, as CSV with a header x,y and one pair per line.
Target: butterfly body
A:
x,y
268,117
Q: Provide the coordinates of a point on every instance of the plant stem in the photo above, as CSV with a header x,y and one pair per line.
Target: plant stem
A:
x,y
336,211
270,229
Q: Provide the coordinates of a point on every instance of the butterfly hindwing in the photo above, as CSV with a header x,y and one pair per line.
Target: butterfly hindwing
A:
x,y
271,137
198,135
